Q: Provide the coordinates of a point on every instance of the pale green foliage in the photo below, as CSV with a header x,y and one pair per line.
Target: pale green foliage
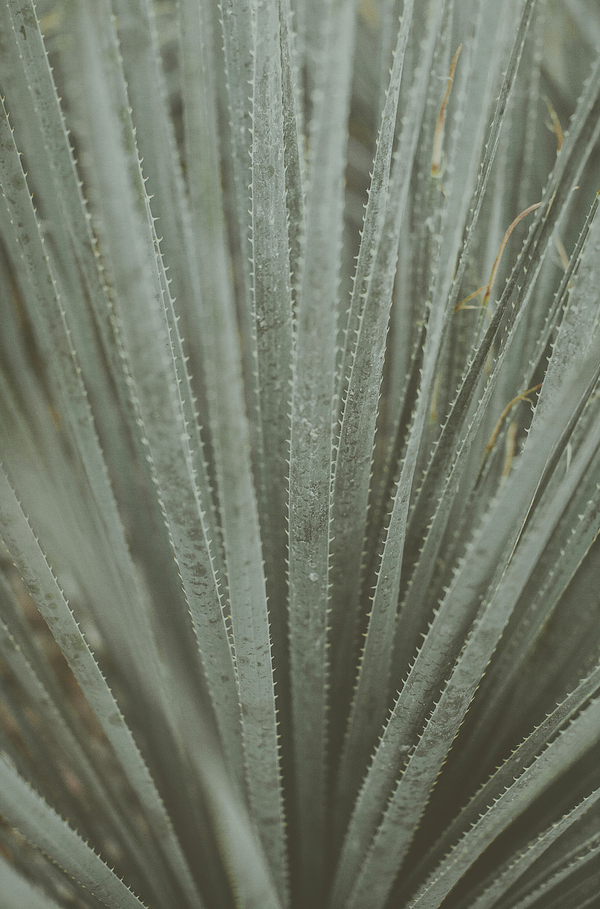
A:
x,y
299,589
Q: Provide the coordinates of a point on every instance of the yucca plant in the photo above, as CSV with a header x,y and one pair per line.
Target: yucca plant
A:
x,y
300,444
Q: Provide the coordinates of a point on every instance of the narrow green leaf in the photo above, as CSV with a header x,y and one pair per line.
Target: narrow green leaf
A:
x,y
572,865
578,145
238,28
558,756
362,367
27,811
453,483
381,283
41,583
294,140
450,288
231,441
271,286
379,857
362,358
243,851
152,346
52,710
515,868
53,324
510,770
16,891
464,159
570,542
578,327
311,436
154,136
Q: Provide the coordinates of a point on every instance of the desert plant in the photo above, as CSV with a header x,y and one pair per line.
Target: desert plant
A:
x,y
298,599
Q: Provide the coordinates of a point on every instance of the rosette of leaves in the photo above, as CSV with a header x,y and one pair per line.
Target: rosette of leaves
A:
x,y
299,435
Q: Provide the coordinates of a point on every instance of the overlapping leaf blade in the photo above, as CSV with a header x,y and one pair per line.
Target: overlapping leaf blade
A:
x,y
235,459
